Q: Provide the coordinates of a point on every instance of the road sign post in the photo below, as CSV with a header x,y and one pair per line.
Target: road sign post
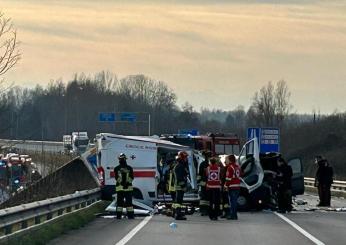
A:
x,y
107,117
268,138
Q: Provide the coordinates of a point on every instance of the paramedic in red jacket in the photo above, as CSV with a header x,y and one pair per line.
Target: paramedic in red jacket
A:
x,y
232,183
213,174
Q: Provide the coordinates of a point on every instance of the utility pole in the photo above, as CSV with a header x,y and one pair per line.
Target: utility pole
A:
x,y
149,117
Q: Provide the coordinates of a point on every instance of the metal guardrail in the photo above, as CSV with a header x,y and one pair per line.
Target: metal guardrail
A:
x,y
32,145
21,217
338,186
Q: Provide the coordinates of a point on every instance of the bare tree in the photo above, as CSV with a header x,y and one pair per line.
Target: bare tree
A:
x,y
282,101
264,104
9,53
271,104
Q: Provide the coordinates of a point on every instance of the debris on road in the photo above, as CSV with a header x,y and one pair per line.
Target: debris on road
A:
x,y
173,225
300,202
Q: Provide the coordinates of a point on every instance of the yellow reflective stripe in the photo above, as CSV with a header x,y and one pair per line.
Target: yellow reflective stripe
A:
x,y
120,188
119,209
129,209
203,202
234,185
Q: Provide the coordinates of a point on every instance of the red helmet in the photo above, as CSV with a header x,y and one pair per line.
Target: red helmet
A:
x,y
182,155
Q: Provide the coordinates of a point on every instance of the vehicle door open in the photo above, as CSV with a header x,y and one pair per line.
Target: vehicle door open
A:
x,y
298,176
250,164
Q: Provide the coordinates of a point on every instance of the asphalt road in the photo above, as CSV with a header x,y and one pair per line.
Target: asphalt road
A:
x,y
323,227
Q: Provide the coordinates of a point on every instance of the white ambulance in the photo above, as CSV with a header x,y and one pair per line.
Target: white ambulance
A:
x,y
148,157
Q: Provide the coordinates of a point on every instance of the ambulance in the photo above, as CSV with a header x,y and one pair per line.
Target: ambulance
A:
x,y
148,156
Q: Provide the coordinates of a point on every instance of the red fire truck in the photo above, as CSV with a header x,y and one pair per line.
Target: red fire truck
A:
x,y
218,144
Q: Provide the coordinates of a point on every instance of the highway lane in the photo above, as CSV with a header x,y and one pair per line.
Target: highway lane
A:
x,y
102,231
329,227
252,228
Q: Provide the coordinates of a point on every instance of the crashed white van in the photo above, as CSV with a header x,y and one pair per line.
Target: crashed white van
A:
x,y
259,171
147,156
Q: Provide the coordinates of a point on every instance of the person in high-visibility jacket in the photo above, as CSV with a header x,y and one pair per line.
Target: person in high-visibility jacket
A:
x,y
180,184
213,174
224,191
124,176
202,182
170,187
233,180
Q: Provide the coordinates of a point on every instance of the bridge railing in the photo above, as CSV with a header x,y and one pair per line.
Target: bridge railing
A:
x,y
337,186
15,219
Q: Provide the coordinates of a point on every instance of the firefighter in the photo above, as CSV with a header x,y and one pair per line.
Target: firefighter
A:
x,y
202,181
180,173
224,190
170,186
124,176
232,184
213,174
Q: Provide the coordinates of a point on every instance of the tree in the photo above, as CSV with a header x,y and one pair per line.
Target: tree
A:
x,y
271,104
282,101
9,53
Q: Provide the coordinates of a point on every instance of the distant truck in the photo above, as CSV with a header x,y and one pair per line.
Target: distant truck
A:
x,y
218,144
76,143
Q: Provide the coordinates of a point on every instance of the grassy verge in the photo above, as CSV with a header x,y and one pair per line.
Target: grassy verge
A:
x,y
44,233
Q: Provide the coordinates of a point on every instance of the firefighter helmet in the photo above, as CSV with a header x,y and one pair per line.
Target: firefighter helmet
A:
x,y
182,154
122,156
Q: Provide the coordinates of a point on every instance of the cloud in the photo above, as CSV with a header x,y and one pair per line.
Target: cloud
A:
x,y
218,47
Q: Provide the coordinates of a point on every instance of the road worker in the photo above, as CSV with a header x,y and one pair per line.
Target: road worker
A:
x,y
180,184
202,181
233,175
124,176
213,174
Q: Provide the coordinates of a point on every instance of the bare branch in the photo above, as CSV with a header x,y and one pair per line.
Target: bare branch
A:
x,y
9,53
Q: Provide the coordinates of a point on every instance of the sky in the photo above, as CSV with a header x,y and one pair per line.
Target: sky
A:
x,y
213,54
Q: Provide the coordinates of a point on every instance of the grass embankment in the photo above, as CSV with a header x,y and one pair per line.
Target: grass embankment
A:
x,y
42,234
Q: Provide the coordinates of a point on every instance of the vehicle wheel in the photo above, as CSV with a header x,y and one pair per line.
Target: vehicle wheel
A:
x,y
243,201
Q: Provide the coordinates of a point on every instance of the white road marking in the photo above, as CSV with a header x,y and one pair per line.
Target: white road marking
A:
x,y
134,231
301,230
